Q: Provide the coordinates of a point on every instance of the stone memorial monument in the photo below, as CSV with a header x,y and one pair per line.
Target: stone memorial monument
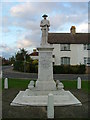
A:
x,y
45,71
38,95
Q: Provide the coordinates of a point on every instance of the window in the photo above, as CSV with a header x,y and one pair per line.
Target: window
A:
x,y
65,47
65,60
53,63
86,60
53,56
86,46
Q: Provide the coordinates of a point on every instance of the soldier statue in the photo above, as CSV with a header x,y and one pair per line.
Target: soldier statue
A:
x,y
45,24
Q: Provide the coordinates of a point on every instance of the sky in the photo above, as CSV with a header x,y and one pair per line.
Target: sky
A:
x,y
20,22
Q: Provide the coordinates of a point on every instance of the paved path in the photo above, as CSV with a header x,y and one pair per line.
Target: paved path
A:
x,y
9,73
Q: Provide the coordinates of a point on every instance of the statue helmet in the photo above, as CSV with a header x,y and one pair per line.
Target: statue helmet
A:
x,y
45,15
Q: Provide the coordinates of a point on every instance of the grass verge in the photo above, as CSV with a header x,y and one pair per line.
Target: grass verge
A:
x,y
68,84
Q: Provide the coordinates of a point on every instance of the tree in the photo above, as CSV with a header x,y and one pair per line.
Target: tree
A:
x,y
22,55
22,61
12,60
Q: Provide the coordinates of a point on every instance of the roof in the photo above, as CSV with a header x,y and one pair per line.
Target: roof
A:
x,y
68,38
34,54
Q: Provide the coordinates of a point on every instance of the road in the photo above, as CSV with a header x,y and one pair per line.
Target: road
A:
x,y
7,71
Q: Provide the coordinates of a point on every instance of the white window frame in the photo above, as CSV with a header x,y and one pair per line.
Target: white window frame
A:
x,y
65,47
65,60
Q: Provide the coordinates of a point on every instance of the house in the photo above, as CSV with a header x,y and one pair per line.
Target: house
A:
x,y
34,54
70,48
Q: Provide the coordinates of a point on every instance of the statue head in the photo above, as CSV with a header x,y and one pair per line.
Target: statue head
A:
x,y
45,16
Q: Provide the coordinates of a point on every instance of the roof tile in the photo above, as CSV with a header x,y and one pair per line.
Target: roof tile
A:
x,y
68,38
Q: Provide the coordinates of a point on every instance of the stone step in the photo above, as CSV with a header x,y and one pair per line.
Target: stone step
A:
x,y
67,98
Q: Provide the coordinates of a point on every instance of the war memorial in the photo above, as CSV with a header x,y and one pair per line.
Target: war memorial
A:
x,y
37,93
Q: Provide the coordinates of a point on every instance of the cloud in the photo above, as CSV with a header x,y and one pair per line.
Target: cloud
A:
x,y
6,23
28,39
83,28
60,22
5,30
22,10
23,43
6,51
4,47
27,14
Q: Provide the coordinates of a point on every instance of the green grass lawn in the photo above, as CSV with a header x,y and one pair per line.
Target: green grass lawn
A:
x,y
68,84
73,85
16,83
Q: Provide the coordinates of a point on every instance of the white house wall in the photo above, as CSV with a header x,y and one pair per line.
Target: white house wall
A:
x,y
56,52
34,57
76,54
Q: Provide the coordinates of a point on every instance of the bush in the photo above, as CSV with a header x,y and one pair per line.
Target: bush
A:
x,y
69,69
82,69
35,62
32,67
57,69
28,67
19,66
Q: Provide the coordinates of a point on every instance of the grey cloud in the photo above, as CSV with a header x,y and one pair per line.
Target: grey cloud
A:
x,y
6,23
6,50
31,17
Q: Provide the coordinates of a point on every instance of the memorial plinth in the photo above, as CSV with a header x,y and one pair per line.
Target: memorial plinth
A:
x,y
45,69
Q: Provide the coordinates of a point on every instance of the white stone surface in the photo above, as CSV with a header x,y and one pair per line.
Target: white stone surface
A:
x,y
6,83
50,107
60,86
45,69
31,85
40,98
79,83
45,24
32,82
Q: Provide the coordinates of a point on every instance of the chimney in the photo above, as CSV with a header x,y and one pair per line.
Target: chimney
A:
x,y
73,30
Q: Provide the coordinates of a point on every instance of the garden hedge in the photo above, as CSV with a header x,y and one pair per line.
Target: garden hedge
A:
x,y
69,69
57,69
